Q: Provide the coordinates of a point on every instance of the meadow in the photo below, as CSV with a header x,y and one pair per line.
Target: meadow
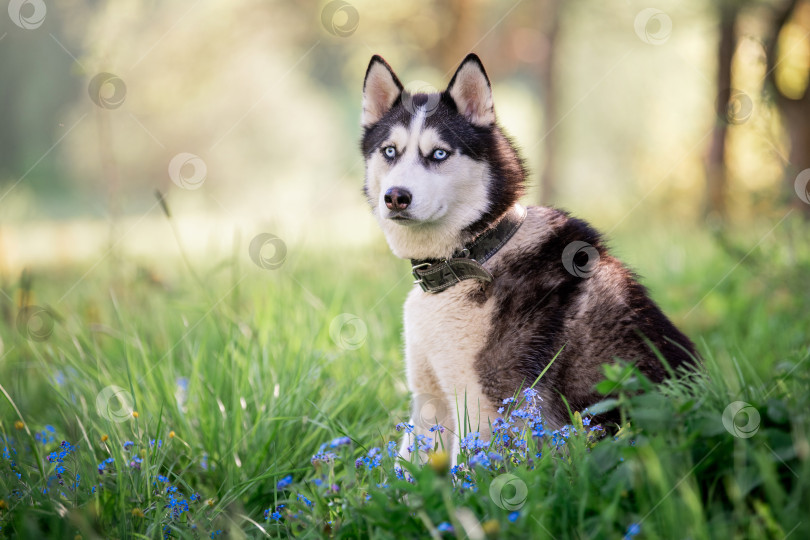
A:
x,y
220,399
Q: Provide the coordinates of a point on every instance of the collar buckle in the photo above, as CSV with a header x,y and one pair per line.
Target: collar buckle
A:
x,y
419,281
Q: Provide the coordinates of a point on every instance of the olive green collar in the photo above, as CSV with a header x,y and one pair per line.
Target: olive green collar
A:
x,y
437,275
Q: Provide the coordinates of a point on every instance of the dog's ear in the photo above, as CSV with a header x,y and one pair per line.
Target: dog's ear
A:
x,y
381,89
471,91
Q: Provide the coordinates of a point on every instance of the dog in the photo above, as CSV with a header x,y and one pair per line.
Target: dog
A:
x,y
502,293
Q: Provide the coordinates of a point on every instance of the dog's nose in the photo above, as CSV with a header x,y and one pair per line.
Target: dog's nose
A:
x,y
397,198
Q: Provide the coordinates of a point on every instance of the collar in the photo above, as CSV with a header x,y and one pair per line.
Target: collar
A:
x,y
436,275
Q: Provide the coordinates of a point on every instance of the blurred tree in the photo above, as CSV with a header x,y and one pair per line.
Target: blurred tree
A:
x,y
525,45
459,34
36,88
547,80
716,174
788,55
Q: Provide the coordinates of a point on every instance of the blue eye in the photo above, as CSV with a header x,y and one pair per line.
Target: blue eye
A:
x,y
390,152
439,154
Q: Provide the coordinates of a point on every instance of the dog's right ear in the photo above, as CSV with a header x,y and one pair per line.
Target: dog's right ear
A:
x,y
381,89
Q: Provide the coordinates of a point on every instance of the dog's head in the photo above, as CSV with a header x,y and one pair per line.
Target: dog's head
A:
x,y
438,168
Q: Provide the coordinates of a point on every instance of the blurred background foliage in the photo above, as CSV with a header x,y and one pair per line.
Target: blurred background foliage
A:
x,y
679,128
698,110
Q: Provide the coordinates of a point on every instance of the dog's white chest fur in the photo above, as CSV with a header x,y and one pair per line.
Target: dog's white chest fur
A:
x,y
447,330
444,334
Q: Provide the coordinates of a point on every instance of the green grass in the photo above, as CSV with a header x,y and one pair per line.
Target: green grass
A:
x,y
268,384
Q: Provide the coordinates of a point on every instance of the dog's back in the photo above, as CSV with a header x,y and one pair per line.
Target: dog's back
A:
x,y
582,303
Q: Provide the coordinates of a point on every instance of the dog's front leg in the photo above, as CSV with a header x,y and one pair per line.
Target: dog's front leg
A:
x,y
428,408
471,412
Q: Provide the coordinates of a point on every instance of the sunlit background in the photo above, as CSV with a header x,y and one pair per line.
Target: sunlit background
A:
x,y
189,270
244,115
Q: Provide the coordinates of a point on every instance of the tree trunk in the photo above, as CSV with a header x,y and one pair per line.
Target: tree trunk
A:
x,y
459,35
109,175
716,172
547,76
795,112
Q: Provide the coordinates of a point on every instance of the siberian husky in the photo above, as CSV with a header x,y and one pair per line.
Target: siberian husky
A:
x,y
500,289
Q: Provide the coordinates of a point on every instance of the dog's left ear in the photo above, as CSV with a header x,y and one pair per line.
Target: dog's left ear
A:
x,y
471,91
